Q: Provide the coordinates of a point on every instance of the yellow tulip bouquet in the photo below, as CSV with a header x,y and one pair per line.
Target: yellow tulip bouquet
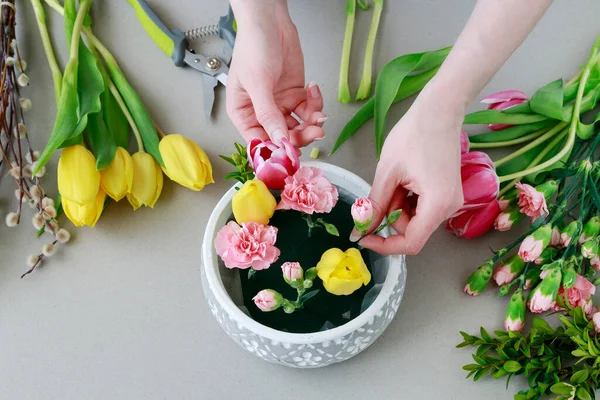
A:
x,y
97,112
290,232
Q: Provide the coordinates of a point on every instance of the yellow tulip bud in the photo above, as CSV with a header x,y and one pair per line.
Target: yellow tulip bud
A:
x,y
342,272
185,162
147,181
85,215
253,203
78,179
118,177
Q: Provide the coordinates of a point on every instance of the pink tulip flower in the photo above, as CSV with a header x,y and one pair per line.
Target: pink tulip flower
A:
x,y
479,179
272,163
502,101
473,222
464,142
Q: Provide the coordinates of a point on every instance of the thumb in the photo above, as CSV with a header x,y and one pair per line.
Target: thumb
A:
x,y
268,114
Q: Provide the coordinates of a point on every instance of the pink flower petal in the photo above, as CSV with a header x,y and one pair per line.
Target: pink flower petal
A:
x,y
505,95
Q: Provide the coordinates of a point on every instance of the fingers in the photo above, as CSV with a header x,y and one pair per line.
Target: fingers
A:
x,y
268,114
305,135
418,230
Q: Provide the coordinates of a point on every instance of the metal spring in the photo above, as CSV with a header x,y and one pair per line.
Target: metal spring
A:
x,y
209,30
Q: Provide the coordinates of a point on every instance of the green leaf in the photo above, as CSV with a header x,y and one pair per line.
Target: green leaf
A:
x,y
512,366
579,377
583,394
90,85
229,160
595,195
389,81
486,336
499,374
308,296
240,148
331,229
311,273
479,374
542,325
471,367
251,273
562,388
115,120
501,117
514,132
232,175
409,86
548,100
478,359
100,141
580,353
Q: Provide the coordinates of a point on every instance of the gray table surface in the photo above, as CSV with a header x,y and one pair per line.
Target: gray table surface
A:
x,y
119,313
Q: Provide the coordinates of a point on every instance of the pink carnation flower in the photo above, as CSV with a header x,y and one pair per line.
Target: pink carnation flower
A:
x,y
596,319
532,202
580,295
251,245
308,191
595,262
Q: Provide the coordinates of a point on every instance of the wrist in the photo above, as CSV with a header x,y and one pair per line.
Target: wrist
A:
x,y
259,11
444,100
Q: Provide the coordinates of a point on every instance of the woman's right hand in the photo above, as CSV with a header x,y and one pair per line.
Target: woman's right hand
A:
x,y
266,80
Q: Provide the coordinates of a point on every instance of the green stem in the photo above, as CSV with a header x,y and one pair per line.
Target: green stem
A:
x,y
40,15
84,6
365,83
559,127
574,122
512,142
344,88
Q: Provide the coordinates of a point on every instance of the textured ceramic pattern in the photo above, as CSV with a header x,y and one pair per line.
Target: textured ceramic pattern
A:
x,y
310,355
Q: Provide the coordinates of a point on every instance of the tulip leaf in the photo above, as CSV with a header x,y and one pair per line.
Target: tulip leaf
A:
x,y
390,79
501,117
100,141
409,86
521,162
514,132
115,120
548,100
539,176
586,131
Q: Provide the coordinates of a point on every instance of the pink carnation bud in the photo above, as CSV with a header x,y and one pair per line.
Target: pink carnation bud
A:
x,y
555,238
531,202
596,319
292,271
503,275
362,213
595,263
502,101
272,163
530,249
515,325
268,300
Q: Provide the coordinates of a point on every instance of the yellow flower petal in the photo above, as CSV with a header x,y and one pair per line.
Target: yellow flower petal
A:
x,y
117,178
342,287
185,162
85,215
253,203
364,271
147,181
328,263
78,179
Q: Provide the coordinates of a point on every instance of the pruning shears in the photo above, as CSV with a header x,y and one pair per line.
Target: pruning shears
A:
x,y
175,43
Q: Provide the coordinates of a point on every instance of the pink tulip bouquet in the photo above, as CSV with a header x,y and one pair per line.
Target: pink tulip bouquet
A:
x,y
290,232
552,182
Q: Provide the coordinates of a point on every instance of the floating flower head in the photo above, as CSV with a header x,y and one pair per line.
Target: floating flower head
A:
x,y
268,300
292,271
253,203
343,272
308,191
251,245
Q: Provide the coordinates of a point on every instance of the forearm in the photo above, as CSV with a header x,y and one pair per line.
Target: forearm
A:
x,y
494,31
253,11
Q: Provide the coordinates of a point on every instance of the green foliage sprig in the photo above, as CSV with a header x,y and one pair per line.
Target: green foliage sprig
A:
x,y
239,160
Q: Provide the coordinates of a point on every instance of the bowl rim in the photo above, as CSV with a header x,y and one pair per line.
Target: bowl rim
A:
x,y
215,284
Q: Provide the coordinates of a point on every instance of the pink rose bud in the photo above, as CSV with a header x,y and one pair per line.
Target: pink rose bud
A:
x,y
464,142
532,203
506,219
543,296
533,245
308,191
502,101
508,272
362,213
272,163
292,271
251,245
268,300
473,222
596,319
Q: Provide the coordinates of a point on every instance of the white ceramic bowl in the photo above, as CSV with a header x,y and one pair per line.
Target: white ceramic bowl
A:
x,y
309,350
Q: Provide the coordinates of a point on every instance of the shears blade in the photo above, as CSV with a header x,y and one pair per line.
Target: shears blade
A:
x,y
209,85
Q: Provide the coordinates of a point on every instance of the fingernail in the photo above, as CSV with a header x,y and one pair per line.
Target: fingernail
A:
x,y
318,138
354,236
322,120
314,89
277,136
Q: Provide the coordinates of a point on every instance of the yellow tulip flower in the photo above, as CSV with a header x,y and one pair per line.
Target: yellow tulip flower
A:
x,y
342,272
147,181
117,179
185,162
84,215
78,179
253,203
